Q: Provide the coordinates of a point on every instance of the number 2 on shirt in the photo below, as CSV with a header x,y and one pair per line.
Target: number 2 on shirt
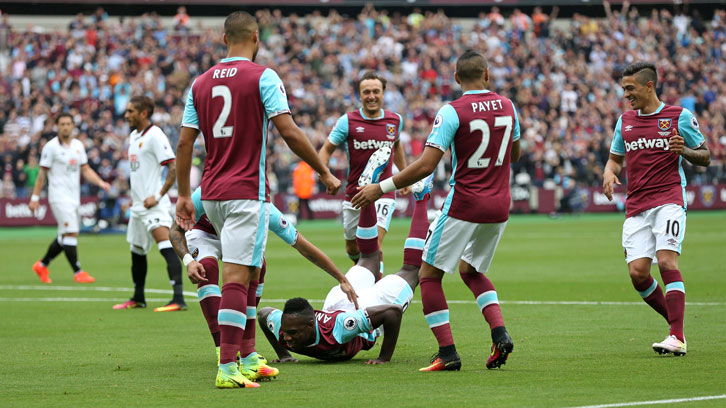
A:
x,y
219,130
477,161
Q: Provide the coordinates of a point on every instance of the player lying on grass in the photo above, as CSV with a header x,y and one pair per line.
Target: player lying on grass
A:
x,y
340,330
200,249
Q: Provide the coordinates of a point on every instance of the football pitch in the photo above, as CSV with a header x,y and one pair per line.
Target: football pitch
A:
x,y
582,335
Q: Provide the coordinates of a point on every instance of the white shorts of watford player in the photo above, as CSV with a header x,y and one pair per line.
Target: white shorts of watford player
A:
x,y
141,223
450,240
660,228
392,289
243,226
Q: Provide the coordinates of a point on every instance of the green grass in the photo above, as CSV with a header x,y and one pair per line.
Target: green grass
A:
x,y
81,353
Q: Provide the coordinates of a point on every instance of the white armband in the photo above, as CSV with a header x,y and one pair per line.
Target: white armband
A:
x,y
157,197
387,185
34,198
188,258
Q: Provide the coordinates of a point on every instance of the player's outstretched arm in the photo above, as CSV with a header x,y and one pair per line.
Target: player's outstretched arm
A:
x,y
94,178
195,270
39,182
283,356
417,170
390,317
300,145
184,150
610,175
323,261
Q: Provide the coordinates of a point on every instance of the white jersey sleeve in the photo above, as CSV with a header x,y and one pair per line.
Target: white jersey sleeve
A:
x,y
162,148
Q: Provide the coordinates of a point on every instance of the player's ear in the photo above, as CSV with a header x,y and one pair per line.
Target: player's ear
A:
x,y
255,36
456,78
224,39
486,75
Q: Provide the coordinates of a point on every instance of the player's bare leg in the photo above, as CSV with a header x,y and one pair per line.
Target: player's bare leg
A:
x,y
486,298
675,299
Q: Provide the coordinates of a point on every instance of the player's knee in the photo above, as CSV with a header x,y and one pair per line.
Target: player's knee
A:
x,y
639,271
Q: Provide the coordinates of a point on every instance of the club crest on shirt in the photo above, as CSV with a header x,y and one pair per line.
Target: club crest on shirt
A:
x,y
390,130
195,253
664,124
141,144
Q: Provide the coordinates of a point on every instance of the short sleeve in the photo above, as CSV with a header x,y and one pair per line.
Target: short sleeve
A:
x,y
273,94
689,129
444,129
273,322
162,148
197,200
348,325
515,131
282,227
339,134
83,155
190,118
46,156
618,146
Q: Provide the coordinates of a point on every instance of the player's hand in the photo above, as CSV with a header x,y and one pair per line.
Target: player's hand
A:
x,y
377,361
150,202
105,186
185,213
347,288
609,179
288,359
196,272
405,191
33,205
367,195
332,184
676,143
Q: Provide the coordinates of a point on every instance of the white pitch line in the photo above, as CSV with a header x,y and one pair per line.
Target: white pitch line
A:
x,y
456,302
668,401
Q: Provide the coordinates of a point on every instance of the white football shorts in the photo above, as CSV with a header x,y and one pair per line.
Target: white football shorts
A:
x,y
67,217
660,228
142,223
384,213
243,226
450,240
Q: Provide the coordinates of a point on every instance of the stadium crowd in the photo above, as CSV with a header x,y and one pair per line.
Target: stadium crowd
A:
x,y
561,73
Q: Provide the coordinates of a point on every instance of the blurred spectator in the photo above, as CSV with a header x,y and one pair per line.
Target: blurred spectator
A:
x,y
303,181
562,75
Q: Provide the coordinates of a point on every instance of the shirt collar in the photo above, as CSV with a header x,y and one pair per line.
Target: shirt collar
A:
x,y
660,108
317,334
477,92
383,113
230,59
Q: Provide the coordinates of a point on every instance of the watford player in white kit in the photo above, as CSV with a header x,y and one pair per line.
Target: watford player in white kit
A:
x,y
149,153
64,160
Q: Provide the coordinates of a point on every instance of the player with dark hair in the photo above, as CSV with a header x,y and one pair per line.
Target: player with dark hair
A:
x,y
362,133
200,249
64,160
231,105
654,138
482,130
149,153
340,330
